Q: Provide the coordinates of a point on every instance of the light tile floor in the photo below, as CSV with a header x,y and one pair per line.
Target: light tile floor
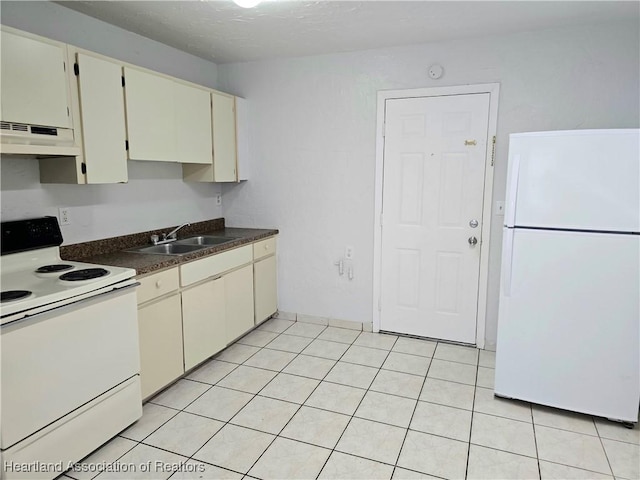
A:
x,y
295,400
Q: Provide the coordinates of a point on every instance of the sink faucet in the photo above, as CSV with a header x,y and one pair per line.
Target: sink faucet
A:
x,y
167,237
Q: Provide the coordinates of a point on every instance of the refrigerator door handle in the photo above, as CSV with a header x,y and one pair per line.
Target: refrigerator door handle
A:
x,y
507,262
512,191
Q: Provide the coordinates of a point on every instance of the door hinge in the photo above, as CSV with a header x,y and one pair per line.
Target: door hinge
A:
x,y
76,69
64,66
123,80
126,145
493,151
68,114
83,168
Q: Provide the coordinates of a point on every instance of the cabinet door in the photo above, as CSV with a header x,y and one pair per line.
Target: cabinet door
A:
x,y
102,116
265,288
34,82
242,139
193,124
203,317
239,301
160,330
150,116
224,137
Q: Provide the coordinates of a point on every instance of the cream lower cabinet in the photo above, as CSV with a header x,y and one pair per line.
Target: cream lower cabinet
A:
x,y
265,288
160,331
203,321
239,300
217,302
190,313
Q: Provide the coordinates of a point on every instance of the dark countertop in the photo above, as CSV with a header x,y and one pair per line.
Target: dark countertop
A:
x,y
114,251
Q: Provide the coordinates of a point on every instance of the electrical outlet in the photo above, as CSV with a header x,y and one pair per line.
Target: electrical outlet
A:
x,y
499,209
219,199
348,253
64,216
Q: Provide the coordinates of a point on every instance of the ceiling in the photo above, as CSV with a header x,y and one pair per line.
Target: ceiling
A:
x,y
222,32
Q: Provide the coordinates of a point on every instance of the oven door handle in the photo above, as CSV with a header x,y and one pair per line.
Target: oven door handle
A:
x,y
80,299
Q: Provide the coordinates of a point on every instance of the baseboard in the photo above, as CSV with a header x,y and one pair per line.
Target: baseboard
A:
x,y
331,322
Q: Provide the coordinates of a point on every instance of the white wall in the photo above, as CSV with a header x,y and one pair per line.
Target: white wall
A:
x,y
155,196
313,135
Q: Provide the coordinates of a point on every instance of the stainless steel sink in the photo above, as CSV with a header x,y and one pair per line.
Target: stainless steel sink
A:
x,y
184,246
169,249
205,240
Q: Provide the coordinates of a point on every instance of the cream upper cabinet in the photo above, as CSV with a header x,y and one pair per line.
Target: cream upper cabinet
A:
x,y
193,124
149,101
203,321
224,167
224,137
102,120
34,81
242,139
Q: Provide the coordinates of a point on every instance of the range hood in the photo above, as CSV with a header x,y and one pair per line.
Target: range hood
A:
x,y
25,139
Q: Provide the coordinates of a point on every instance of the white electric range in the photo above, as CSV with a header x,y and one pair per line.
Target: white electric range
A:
x,y
70,373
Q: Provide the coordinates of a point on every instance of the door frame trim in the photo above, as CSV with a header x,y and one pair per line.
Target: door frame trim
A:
x,y
494,90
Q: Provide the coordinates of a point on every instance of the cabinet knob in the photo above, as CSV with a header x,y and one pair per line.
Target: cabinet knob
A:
x,y
158,284
266,247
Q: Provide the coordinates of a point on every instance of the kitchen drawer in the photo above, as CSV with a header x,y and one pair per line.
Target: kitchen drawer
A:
x,y
214,265
157,284
264,248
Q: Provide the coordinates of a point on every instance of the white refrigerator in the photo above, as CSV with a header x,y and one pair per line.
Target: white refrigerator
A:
x,y
568,326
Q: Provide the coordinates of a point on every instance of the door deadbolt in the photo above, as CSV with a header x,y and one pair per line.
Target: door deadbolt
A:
x,y
473,223
472,241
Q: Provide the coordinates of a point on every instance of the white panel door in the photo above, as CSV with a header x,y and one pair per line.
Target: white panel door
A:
x,y
193,124
150,116
224,137
568,321
34,82
103,124
434,164
584,179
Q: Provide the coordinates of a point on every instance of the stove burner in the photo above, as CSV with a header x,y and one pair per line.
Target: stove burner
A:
x,y
84,274
60,267
12,295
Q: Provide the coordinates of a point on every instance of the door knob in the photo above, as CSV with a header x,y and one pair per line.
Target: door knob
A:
x,y
472,241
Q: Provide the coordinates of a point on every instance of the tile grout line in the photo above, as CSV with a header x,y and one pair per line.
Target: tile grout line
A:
x,y
320,381
254,396
352,416
191,457
473,411
300,405
535,441
606,455
415,407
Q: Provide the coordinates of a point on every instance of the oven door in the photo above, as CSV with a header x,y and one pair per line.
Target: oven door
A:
x,y
56,361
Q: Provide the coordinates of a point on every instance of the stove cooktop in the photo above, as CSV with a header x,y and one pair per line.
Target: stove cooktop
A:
x,y
13,295
55,268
